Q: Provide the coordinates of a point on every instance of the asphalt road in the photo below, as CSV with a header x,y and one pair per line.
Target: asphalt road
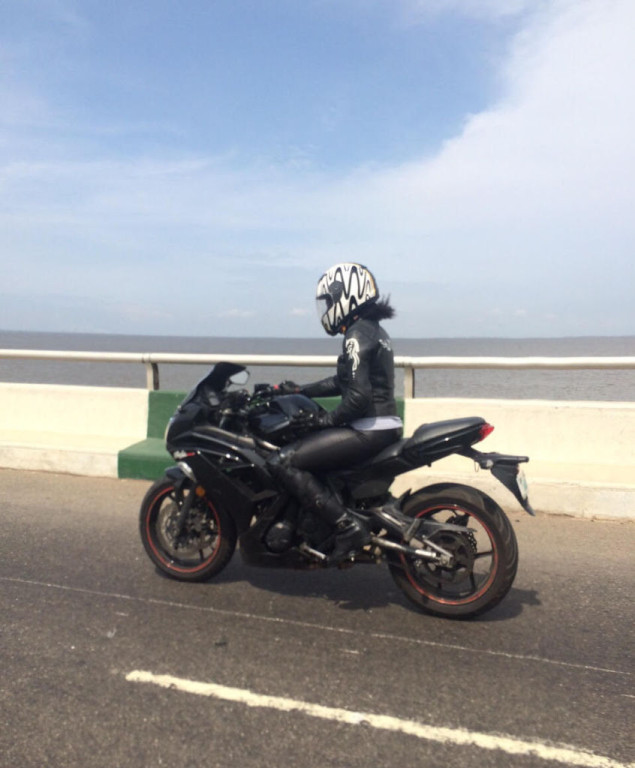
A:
x,y
328,668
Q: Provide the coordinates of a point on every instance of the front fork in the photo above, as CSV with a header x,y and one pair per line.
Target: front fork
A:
x,y
181,476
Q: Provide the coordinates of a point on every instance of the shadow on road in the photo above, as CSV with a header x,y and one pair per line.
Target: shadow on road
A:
x,y
512,605
359,588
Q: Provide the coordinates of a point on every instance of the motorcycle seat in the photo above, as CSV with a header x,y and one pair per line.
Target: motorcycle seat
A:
x,y
433,441
391,452
440,429
433,432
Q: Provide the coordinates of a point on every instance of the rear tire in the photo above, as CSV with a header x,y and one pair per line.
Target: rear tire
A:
x,y
208,540
486,555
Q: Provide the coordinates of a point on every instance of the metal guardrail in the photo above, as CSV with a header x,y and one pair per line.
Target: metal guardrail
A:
x,y
152,360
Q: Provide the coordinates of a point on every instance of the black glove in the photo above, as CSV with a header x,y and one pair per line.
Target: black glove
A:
x,y
324,420
263,390
288,388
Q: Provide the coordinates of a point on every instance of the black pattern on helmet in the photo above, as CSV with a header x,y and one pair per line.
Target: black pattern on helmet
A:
x,y
341,291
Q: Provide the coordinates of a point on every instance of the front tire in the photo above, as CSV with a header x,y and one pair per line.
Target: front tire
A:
x,y
208,539
485,556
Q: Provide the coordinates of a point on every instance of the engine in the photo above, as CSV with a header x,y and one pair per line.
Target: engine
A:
x,y
279,537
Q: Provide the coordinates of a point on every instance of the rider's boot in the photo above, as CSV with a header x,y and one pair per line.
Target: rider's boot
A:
x,y
350,536
350,533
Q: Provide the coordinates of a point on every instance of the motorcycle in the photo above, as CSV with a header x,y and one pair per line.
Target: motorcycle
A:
x,y
449,547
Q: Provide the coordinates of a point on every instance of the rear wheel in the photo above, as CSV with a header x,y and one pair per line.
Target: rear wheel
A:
x,y
485,553
207,539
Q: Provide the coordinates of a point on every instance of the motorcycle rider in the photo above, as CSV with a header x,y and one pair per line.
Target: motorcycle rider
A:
x,y
366,419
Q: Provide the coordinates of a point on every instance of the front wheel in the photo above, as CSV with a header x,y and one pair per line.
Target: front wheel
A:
x,y
205,542
485,554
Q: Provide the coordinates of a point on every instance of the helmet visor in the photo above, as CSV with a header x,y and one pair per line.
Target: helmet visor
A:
x,y
323,304
325,312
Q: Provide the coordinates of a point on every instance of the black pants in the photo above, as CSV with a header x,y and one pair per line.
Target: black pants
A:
x,y
337,448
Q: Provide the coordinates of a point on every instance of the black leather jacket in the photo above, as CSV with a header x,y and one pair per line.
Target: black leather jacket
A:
x,y
365,375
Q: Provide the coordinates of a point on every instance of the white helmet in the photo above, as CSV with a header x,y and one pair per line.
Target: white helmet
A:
x,y
341,292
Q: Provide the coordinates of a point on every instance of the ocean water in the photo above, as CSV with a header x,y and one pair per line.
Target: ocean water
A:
x,y
616,385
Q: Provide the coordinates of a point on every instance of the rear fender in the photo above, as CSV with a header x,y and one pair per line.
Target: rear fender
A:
x,y
506,469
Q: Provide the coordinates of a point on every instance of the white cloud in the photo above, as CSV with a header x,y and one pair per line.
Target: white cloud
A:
x,y
548,169
534,194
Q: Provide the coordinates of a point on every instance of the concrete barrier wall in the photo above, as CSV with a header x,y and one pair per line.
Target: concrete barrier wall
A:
x,y
600,434
582,454
73,429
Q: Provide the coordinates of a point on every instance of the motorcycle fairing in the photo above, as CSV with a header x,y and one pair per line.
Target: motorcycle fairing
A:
x,y
231,469
214,382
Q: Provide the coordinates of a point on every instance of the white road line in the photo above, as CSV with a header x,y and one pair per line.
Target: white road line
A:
x,y
454,736
321,627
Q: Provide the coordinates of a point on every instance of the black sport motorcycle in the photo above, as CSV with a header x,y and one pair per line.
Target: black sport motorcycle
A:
x,y
449,547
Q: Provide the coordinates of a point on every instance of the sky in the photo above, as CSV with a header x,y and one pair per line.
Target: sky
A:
x,y
192,168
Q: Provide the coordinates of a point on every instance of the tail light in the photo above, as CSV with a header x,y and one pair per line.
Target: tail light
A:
x,y
484,431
